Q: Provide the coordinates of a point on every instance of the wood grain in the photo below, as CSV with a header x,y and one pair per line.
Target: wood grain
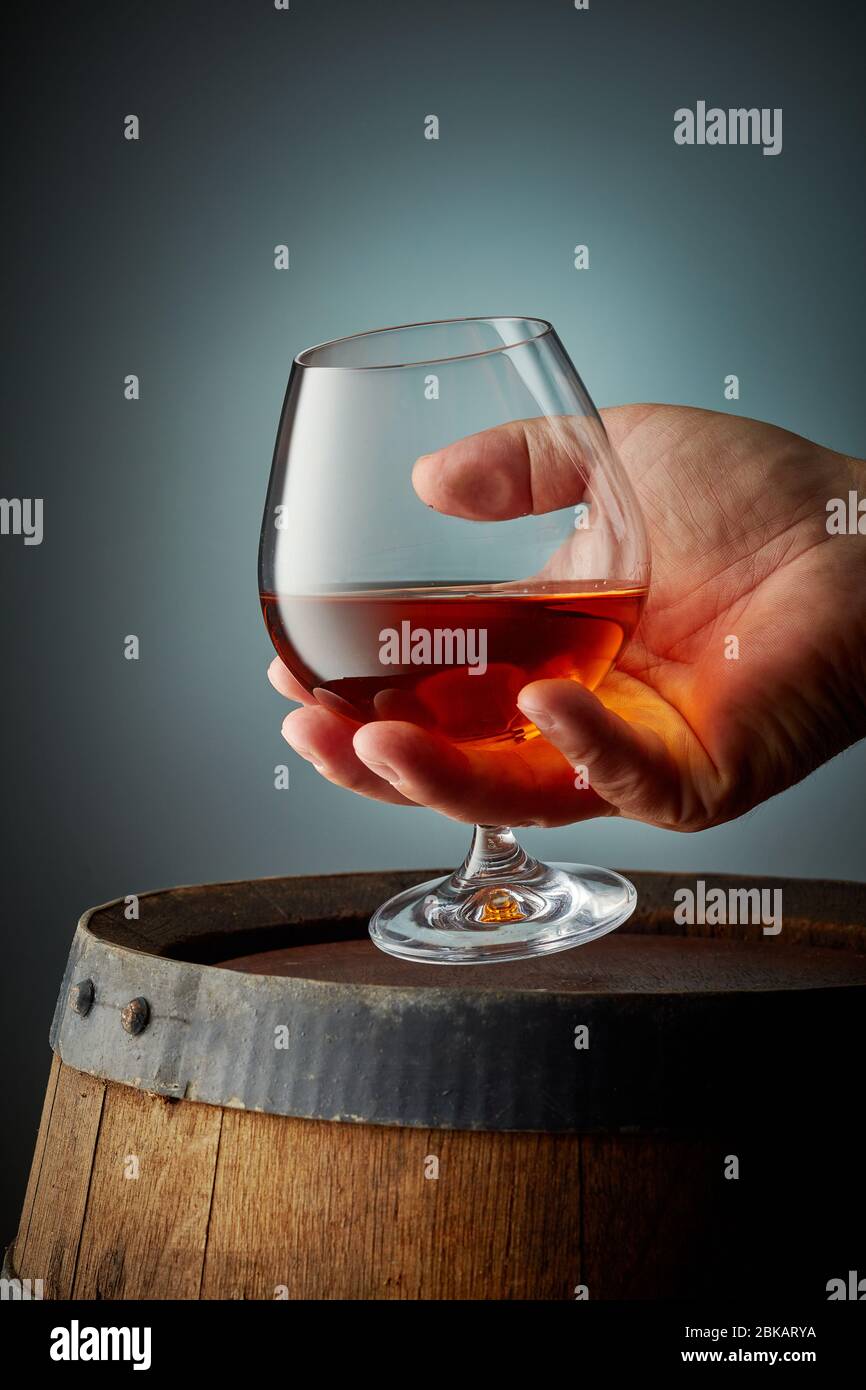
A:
x,y
235,1204
50,1248
345,1211
144,1235
38,1153
653,1208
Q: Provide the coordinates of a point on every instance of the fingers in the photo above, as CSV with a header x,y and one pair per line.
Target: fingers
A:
x,y
325,740
627,764
530,786
544,782
405,765
283,681
516,469
537,465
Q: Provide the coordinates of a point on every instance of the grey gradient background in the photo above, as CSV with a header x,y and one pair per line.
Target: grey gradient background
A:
x,y
306,127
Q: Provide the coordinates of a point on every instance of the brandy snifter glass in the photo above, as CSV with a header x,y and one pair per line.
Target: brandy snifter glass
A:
x,y
386,608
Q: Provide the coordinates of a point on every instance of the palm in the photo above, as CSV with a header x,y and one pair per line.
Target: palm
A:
x,y
731,665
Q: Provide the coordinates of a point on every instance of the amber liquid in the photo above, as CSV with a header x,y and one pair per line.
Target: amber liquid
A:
x,y
353,650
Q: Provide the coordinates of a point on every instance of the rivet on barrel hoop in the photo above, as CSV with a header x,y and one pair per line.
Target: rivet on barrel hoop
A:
x,y
81,997
136,1015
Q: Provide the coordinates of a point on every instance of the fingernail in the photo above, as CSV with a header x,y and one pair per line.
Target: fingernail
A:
x,y
540,717
302,749
381,770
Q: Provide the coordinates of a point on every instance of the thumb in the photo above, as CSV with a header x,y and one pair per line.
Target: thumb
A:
x,y
627,764
526,466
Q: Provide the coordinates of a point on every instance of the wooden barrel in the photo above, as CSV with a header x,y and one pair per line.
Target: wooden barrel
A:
x,y
247,1100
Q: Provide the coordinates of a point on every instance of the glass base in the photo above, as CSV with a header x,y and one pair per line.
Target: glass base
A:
x,y
502,905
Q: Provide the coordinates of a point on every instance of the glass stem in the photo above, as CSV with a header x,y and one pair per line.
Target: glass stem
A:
x,y
494,857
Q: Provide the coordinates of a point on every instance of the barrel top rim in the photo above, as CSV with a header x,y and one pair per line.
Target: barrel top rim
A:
x,y
105,923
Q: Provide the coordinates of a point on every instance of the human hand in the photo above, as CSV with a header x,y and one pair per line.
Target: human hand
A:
x,y
681,734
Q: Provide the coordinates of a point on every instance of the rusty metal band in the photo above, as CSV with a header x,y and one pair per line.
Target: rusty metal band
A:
x,y
445,1056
